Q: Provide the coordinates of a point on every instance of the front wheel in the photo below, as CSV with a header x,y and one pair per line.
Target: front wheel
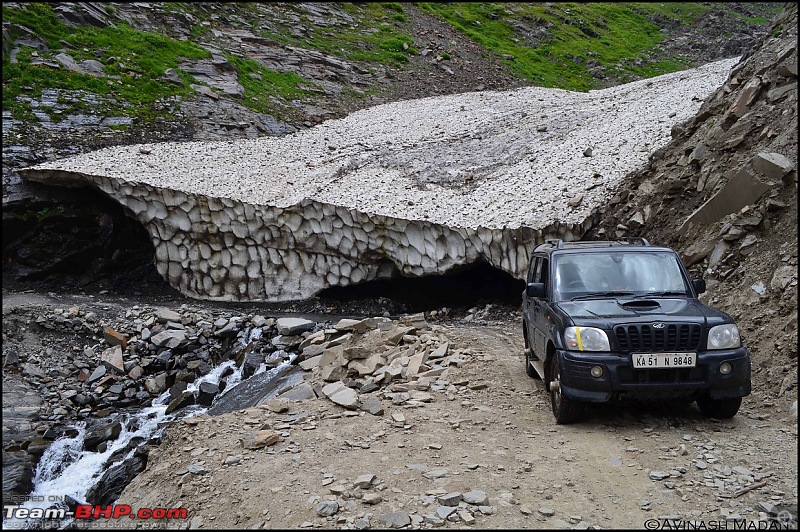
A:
x,y
565,410
719,408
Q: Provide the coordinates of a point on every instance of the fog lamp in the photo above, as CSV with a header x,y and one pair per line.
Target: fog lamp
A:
x,y
725,368
597,371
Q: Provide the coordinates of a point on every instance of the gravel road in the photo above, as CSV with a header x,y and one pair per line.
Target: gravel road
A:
x,y
490,432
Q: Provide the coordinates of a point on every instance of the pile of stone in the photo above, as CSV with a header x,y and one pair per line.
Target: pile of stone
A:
x,y
406,360
136,360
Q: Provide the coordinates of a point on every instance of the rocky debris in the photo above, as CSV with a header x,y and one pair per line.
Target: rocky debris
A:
x,y
382,363
382,360
723,192
467,439
122,361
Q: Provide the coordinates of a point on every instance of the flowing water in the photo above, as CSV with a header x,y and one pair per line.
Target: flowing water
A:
x,y
67,470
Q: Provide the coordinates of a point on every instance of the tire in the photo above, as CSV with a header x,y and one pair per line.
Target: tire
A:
x,y
719,408
565,410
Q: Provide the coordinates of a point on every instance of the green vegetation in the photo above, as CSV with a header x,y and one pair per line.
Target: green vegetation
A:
x,y
261,85
374,35
569,45
580,37
134,65
47,212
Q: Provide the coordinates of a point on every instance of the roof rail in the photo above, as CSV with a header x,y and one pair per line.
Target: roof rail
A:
x,y
627,241
635,240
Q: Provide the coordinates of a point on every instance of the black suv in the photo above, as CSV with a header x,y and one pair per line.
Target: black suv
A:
x,y
609,319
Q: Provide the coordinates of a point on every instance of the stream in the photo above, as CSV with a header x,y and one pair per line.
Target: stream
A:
x,y
67,472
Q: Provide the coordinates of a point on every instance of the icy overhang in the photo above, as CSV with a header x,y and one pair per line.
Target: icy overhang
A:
x,y
414,187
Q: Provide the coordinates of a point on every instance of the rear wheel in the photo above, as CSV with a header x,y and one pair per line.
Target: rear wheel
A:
x,y
719,408
565,410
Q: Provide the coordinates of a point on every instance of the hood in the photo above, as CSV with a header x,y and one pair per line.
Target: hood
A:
x,y
603,313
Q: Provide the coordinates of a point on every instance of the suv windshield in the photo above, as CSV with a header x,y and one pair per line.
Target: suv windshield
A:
x,y
618,272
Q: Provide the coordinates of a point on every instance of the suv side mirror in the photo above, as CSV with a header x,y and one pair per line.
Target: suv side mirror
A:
x,y
699,285
535,290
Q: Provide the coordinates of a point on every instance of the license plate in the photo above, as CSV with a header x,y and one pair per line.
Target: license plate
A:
x,y
664,360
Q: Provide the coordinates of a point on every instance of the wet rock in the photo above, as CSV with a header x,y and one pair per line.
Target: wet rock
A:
x,y
102,433
185,399
111,485
206,393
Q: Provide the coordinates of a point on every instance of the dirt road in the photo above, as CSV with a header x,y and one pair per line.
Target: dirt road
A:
x,y
490,431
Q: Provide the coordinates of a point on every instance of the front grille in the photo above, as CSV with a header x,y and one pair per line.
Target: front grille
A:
x,y
644,338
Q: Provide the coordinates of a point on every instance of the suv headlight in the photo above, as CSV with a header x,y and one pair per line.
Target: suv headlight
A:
x,y
723,337
586,339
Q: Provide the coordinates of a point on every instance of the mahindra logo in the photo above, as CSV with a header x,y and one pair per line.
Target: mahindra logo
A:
x,y
658,326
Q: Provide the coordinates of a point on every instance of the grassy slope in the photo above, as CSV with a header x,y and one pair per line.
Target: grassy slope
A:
x,y
577,37
616,36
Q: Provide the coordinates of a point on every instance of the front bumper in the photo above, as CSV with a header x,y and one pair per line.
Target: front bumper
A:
x,y
620,378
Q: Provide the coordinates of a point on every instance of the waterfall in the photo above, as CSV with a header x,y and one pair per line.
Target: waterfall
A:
x,y
67,469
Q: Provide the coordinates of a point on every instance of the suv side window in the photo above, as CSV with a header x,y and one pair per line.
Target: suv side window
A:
x,y
544,273
538,272
536,262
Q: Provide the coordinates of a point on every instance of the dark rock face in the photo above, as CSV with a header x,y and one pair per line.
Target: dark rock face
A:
x,y
102,433
17,475
113,482
74,240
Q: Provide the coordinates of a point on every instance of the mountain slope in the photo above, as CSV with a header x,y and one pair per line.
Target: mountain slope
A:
x,y
724,193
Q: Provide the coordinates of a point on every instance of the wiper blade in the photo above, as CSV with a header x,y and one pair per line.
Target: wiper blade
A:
x,y
663,293
594,295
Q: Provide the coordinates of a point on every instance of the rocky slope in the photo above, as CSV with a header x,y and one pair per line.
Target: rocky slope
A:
x,y
59,241
724,193
422,421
